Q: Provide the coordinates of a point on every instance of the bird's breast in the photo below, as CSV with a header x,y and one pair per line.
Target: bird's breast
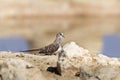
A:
x,y
59,49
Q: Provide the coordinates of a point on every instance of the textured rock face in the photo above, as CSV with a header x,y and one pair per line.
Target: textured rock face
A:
x,y
72,47
87,66
17,69
70,59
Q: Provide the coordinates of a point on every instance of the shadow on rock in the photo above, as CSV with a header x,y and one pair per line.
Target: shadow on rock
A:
x,y
53,70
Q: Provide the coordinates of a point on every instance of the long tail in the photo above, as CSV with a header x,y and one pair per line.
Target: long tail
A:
x,y
30,50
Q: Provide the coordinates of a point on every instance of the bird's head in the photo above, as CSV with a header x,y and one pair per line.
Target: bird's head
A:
x,y
60,35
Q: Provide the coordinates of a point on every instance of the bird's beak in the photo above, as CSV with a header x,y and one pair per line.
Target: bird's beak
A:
x,y
63,36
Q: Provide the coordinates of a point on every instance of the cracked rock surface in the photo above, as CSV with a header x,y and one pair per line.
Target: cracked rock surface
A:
x,y
17,69
79,62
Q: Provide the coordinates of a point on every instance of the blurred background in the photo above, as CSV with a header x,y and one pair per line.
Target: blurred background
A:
x,y
36,22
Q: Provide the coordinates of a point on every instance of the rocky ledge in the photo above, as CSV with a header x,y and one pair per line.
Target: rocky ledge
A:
x,y
74,63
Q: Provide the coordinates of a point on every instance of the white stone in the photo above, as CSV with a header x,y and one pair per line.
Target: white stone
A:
x,y
73,50
88,66
17,69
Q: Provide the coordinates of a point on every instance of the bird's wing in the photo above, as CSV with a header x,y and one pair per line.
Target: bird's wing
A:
x,y
50,48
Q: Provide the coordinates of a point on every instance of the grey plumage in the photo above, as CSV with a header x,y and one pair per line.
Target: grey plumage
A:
x,y
52,48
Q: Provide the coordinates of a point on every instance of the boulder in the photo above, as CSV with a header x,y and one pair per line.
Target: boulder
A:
x,y
77,61
70,58
17,69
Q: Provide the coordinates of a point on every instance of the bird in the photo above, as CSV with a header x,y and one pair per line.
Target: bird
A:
x,y
51,49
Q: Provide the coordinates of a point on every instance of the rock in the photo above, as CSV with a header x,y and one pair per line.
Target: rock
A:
x,y
70,58
41,62
17,69
73,47
87,66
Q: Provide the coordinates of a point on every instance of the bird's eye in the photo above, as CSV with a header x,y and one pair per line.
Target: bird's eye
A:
x,y
61,33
